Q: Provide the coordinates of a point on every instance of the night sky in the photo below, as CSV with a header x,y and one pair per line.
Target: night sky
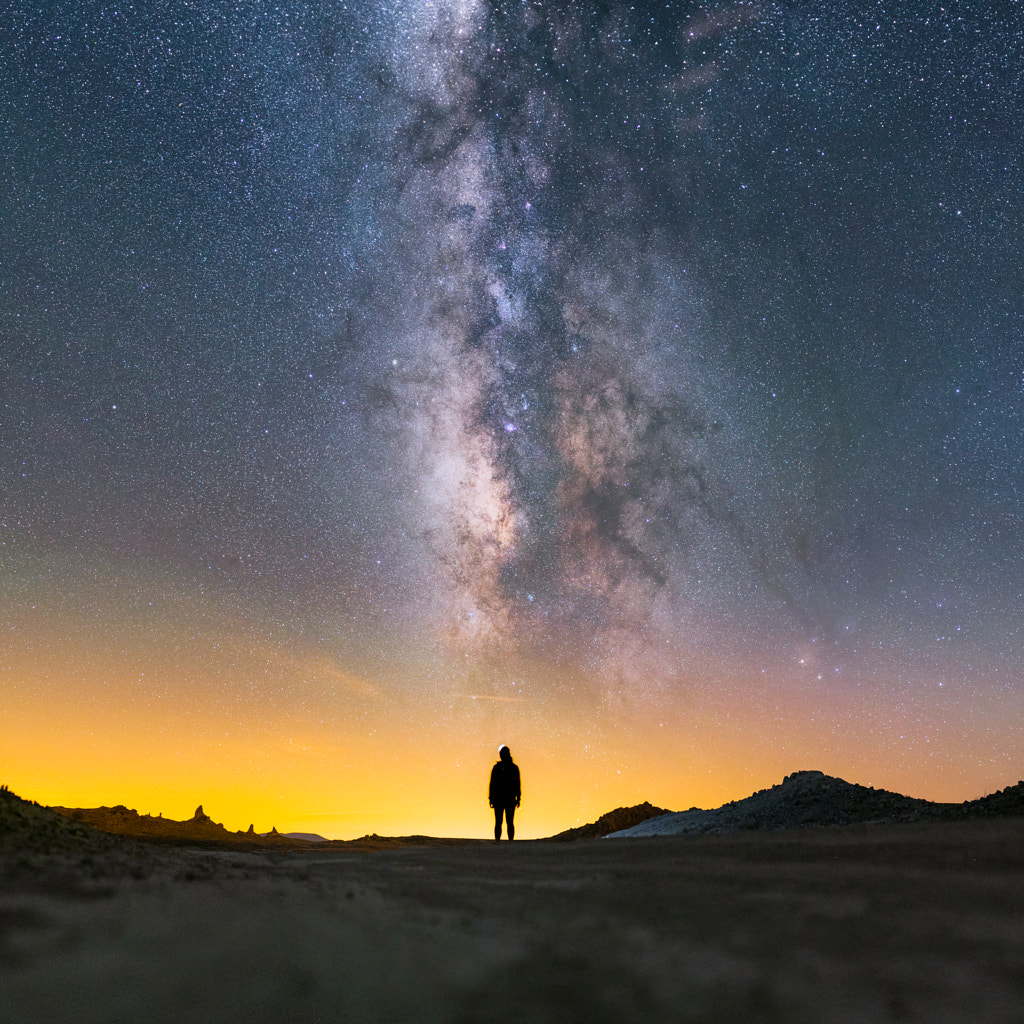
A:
x,y
637,385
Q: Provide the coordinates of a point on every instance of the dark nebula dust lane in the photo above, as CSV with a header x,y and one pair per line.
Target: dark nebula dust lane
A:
x,y
612,359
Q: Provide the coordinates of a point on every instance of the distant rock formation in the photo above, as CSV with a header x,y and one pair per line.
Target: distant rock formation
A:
x,y
200,827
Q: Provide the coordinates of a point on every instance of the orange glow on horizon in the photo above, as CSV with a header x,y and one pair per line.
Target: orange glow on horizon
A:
x,y
394,777
314,746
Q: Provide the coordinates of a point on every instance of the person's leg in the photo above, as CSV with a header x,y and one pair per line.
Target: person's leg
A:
x,y
498,810
510,813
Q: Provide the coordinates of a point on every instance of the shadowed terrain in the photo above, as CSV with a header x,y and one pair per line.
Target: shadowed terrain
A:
x,y
898,922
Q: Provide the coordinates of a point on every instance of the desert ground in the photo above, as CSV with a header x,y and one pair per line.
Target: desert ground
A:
x,y
896,922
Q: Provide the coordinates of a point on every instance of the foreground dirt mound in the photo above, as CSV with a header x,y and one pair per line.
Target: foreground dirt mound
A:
x,y
614,821
40,847
28,828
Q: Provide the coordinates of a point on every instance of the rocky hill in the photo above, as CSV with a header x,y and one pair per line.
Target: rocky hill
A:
x,y
813,798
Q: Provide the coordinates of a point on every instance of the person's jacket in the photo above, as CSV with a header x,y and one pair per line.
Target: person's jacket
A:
x,y
504,789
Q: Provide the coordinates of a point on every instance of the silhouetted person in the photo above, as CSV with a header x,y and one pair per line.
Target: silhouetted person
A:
x,y
504,793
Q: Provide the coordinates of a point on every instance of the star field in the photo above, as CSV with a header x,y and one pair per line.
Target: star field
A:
x,y
637,385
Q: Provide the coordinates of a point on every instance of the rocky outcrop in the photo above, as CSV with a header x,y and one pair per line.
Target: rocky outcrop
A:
x,y
613,821
1004,801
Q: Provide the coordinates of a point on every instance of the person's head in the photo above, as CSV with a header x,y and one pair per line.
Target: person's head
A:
x,y
504,753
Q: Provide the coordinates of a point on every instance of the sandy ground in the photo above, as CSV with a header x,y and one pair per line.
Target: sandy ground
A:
x,y
867,923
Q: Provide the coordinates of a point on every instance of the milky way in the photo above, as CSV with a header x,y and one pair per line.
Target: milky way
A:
x,y
635,358
564,466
